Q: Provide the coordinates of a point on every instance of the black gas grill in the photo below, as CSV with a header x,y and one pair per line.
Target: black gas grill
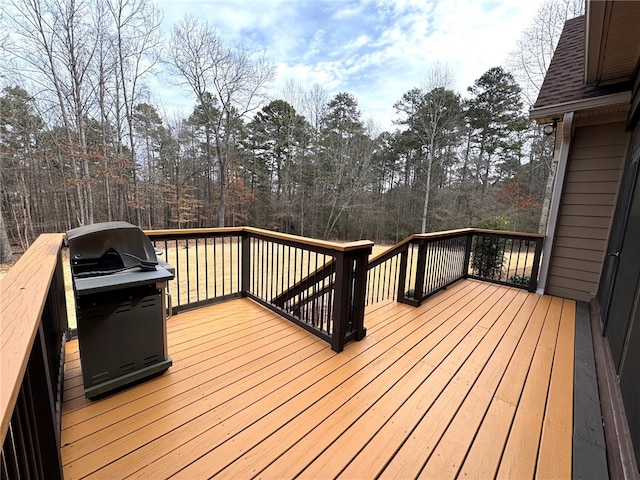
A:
x,y
119,288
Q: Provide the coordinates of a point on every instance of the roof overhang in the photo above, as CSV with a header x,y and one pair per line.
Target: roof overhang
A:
x,y
548,114
612,42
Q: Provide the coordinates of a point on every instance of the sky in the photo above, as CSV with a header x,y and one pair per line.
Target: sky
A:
x,y
374,49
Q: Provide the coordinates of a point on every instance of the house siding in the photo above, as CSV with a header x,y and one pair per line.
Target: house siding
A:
x,y
586,209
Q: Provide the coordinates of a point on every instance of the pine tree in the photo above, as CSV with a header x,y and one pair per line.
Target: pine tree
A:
x,y
346,159
495,117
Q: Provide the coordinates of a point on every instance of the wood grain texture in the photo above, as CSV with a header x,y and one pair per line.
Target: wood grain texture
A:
x,y
23,292
285,237
438,391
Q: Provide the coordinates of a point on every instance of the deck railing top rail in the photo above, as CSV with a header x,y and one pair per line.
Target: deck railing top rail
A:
x,y
291,239
23,293
464,231
391,251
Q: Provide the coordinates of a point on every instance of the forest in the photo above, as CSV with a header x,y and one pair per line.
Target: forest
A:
x,y
81,141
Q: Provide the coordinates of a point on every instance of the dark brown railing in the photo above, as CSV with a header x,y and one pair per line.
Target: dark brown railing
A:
x,y
507,258
383,275
316,284
34,325
424,264
297,276
207,262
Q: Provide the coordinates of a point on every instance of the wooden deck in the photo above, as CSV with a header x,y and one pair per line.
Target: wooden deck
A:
x,y
476,383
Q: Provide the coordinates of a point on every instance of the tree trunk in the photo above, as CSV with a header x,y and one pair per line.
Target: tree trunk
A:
x,y
5,247
427,187
221,211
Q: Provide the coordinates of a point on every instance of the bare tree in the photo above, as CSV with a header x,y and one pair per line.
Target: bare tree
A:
x,y
314,109
5,247
294,94
531,58
106,65
228,83
344,161
137,41
431,113
54,50
529,61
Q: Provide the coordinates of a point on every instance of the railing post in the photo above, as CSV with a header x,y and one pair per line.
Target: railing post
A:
x,y
533,282
341,302
360,262
246,264
467,254
402,276
421,268
349,299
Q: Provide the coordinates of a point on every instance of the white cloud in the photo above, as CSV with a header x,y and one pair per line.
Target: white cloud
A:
x,y
361,41
316,44
375,49
347,12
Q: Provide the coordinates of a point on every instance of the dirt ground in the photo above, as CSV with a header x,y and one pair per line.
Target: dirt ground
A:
x,y
4,267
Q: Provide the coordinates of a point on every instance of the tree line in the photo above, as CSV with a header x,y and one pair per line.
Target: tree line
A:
x,y
82,141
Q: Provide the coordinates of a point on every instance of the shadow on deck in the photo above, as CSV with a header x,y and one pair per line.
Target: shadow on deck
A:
x,y
477,382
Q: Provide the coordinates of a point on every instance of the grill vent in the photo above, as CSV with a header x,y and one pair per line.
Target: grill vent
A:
x,y
124,307
127,367
100,377
148,302
150,360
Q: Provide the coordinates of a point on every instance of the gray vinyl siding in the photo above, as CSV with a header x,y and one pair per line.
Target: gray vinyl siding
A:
x,y
587,206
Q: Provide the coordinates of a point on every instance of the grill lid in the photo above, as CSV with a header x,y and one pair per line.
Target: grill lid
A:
x,y
109,247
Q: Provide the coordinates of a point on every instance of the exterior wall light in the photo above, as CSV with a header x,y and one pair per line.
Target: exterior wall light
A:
x,y
549,128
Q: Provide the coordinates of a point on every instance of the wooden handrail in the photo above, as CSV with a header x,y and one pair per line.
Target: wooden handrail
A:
x,y
393,250
507,233
192,231
340,246
501,233
23,293
336,246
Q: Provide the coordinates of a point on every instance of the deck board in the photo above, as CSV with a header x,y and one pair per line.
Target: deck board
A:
x,y
477,381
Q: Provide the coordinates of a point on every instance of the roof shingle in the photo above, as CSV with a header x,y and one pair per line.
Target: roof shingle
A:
x,y
564,81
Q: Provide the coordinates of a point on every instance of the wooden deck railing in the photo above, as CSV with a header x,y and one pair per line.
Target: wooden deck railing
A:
x,y
506,258
316,284
301,277
321,286
34,324
207,262
424,264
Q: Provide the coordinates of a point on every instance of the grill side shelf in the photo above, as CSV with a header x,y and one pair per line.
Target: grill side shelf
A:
x,y
118,281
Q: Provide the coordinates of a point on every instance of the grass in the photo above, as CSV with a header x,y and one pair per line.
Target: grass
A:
x,y
212,269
